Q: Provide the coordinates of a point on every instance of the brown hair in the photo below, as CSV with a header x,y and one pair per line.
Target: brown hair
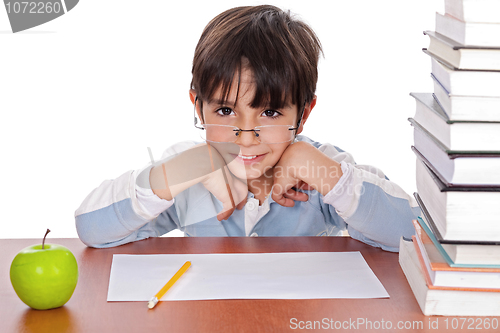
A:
x,y
282,53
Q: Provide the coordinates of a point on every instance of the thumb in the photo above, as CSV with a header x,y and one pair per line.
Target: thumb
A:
x,y
241,204
228,205
238,189
225,213
278,195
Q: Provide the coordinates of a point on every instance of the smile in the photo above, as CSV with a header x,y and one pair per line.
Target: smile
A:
x,y
248,159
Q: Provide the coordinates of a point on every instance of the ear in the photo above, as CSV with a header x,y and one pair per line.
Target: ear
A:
x,y
307,111
192,97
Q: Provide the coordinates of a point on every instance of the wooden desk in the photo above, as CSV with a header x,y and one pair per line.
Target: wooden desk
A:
x,y
88,312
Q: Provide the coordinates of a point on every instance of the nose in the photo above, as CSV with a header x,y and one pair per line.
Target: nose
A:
x,y
247,138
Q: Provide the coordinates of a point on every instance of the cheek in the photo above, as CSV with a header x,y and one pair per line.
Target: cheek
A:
x,y
276,151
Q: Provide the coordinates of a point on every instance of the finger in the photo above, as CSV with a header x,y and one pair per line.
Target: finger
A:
x,y
225,214
278,196
296,195
228,207
283,201
305,187
227,211
230,195
277,193
241,204
236,193
285,192
239,189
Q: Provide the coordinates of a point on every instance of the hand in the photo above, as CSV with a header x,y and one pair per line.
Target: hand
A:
x,y
202,163
303,167
231,191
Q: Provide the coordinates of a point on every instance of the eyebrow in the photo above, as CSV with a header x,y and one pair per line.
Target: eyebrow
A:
x,y
221,102
230,102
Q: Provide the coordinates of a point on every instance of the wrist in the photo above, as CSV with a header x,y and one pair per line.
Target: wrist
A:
x,y
323,173
159,183
181,171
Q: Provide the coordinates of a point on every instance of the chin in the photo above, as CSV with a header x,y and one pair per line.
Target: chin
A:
x,y
248,172
253,174
244,172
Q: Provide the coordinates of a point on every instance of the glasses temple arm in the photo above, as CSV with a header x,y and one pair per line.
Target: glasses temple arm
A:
x,y
194,113
301,115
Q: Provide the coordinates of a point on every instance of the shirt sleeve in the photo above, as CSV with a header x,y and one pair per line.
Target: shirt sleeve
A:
x,y
377,211
119,211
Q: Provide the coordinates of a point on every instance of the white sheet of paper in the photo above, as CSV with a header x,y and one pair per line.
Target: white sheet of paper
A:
x,y
289,275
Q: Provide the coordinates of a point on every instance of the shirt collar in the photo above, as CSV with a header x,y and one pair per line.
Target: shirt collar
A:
x,y
268,198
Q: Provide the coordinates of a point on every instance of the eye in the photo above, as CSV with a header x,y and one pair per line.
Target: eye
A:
x,y
224,111
271,113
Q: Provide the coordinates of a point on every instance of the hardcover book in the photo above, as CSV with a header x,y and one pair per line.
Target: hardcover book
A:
x,y
468,33
439,274
462,56
460,213
459,170
461,253
455,134
486,11
465,82
443,302
459,107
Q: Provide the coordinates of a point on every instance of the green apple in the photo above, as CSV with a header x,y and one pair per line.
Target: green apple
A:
x,y
44,276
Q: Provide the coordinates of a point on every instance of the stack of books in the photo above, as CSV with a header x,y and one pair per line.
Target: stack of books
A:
x,y
453,263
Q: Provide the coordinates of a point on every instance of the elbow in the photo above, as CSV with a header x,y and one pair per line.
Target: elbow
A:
x,y
85,235
99,238
88,234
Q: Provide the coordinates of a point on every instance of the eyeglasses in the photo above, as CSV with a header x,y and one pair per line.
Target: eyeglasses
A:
x,y
267,134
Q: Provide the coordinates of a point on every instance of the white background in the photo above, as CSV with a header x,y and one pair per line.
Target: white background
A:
x,y
81,97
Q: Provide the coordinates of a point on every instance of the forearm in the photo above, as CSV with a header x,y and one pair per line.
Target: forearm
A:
x,y
302,166
323,173
124,209
160,184
111,214
377,210
172,176
105,228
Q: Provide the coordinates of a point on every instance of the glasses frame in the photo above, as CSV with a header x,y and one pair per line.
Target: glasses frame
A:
x,y
256,131
239,130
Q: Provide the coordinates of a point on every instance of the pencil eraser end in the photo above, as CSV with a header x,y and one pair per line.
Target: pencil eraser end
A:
x,y
152,302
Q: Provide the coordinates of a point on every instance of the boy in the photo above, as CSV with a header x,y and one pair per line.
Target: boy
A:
x,y
253,89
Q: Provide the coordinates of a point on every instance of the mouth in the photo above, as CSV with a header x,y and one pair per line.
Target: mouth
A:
x,y
248,159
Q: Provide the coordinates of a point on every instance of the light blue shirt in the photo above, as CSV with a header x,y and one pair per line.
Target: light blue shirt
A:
x,y
372,209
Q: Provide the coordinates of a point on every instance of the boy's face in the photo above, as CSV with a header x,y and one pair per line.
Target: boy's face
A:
x,y
248,158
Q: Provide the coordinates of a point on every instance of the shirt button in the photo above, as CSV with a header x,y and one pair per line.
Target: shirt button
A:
x,y
254,234
250,205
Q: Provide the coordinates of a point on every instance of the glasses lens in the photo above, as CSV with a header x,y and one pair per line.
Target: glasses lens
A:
x,y
264,134
219,133
275,133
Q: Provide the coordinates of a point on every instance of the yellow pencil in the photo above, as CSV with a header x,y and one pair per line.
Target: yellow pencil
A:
x,y
170,283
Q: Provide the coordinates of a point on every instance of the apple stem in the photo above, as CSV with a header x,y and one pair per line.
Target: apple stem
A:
x,y
43,242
